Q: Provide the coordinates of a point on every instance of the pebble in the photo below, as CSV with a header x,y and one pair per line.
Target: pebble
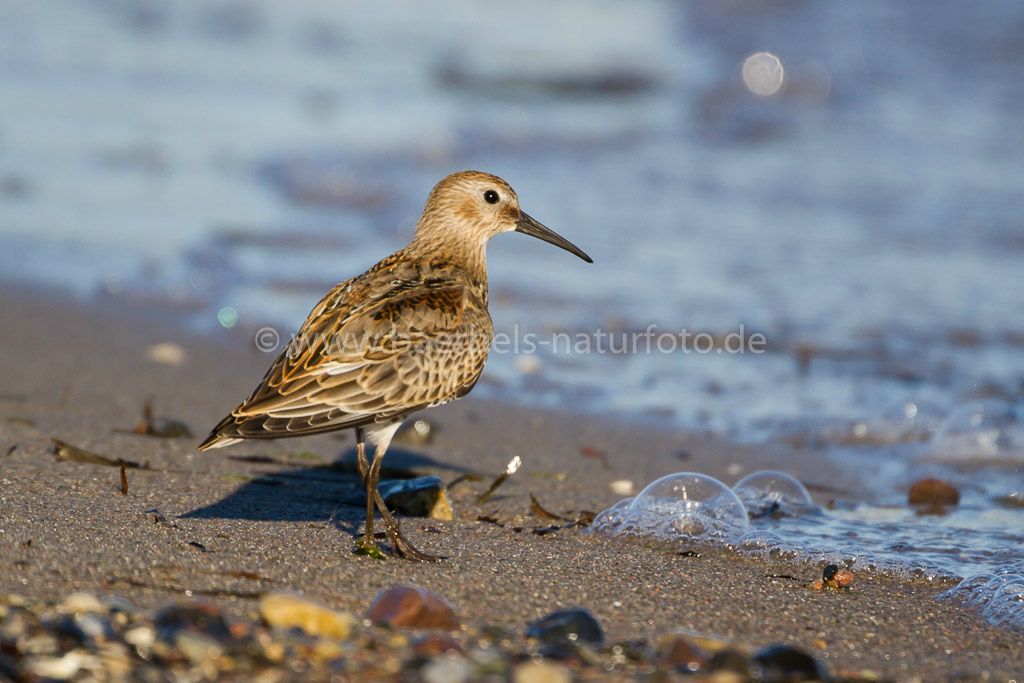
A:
x,y
787,663
201,617
728,677
622,487
198,648
541,672
676,651
574,626
933,492
286,610
730,661
196,641
166,353
843,578
63,668
833,577
419,497
87,627
142,637
79,603
411,607
446,669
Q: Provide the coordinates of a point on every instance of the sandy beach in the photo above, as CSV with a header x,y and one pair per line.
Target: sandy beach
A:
x,y
234,524
838,180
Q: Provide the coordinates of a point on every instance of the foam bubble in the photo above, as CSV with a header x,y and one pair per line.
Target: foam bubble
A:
x,y
773,494
686,505
610,520
999,594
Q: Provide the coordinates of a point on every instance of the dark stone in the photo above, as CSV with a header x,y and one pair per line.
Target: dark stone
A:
x,y
636,650
66,628
574,626
730,660
784,663
419,497
203,617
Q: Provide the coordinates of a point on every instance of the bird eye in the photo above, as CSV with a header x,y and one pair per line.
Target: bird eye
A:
x,y
491,197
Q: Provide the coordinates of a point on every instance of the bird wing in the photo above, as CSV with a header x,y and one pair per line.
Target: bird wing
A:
x,y
353,363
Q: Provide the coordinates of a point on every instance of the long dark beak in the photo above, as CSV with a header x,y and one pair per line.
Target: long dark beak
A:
x,y
528,226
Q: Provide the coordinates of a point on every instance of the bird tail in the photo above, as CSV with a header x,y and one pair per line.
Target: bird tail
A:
x,y
216,441
222,435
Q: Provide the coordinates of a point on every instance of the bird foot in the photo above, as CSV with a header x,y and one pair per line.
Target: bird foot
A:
x,y
406,549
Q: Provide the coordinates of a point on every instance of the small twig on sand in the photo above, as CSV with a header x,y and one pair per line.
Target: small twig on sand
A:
x,y
65,451
510,469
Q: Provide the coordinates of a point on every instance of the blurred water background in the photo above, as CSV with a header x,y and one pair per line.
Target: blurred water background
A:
x,y
857,196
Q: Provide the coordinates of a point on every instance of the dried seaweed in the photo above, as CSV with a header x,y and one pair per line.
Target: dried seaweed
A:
x,y
538,510
583,519
66,452
489,519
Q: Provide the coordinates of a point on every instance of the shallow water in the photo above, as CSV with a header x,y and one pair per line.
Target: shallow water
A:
x,y
232,160
770,514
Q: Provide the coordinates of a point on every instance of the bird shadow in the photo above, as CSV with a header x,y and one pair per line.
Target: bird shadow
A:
x,y
287,491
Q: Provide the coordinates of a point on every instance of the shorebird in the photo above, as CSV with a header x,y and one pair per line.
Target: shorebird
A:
x,y
410,333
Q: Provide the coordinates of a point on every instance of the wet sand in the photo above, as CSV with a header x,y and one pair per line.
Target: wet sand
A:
x,y
231,529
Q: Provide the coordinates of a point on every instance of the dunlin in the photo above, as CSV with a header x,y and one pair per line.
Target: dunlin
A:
x,y
410,333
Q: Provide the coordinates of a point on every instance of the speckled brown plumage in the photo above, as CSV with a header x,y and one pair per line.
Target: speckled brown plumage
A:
x,y
403,336
411,332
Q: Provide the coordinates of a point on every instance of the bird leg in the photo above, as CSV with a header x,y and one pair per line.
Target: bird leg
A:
x,y
400,544
367,545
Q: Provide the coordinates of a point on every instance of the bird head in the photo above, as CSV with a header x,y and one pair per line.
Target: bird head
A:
x,y
472,207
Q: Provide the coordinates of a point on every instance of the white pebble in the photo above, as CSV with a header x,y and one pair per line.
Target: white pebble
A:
x,y
166,353
622,487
